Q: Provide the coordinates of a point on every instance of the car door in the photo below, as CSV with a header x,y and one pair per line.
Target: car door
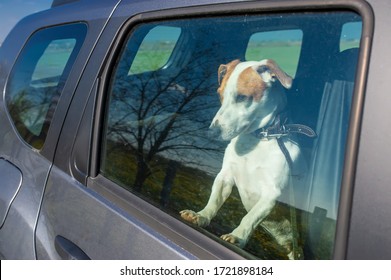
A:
x,y
135,148
33,88
41,61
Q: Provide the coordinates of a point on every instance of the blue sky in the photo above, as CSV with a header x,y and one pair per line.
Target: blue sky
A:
x,y
11,11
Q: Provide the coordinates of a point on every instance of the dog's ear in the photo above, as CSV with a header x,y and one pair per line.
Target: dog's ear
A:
x,y
221,72
226,70
276,71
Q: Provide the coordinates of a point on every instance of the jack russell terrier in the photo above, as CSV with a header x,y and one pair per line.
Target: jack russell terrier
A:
x,y
259,158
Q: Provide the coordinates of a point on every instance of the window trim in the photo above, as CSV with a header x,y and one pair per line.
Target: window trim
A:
x,y
348,175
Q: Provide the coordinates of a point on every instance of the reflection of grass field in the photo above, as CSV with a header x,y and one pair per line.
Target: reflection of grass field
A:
x,y
191,190
154,57
51,64
149,60
286,54
349,44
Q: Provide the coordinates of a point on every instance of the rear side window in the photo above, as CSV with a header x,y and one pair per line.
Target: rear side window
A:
x,y
38,77
241,134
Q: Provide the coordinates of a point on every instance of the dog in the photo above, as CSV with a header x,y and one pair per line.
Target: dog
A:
x,y
252,95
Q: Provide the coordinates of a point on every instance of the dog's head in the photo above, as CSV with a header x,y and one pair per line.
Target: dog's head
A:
x,y
251,95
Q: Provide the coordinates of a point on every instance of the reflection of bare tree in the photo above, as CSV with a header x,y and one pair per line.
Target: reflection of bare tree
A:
x,y
31,112
160,115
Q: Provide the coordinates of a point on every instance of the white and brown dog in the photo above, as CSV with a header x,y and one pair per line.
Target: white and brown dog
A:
x,y
252,95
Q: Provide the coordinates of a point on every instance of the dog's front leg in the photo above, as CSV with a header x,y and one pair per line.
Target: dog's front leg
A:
x,y
240,235
221,189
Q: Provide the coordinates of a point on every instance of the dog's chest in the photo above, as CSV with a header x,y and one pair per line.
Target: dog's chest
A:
x,y
255,162
258,168
249,152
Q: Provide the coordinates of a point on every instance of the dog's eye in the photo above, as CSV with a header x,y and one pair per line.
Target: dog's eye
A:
x,y
263,69
241,98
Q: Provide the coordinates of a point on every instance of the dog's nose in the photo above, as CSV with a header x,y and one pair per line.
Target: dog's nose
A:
x,y
214,123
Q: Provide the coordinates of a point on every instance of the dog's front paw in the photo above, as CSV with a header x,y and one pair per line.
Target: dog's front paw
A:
x,y
194,218
233,240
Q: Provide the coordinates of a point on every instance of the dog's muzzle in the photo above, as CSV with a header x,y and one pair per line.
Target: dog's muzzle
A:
x,y
214,124
217,130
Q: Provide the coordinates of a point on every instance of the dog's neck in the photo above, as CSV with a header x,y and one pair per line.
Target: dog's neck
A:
x,y
281,128
276,105
272,129
267,120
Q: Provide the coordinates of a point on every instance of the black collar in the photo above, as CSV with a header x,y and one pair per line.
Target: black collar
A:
x,y
278,129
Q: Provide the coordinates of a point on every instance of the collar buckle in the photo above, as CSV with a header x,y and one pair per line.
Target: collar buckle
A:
x,y
277,130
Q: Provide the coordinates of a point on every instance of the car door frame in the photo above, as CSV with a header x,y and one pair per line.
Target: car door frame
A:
x,y
86,170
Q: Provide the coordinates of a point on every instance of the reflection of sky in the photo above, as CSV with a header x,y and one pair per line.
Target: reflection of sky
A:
x,y
11,11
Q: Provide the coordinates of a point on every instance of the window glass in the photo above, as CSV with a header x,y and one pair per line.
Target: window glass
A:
x,y
53,61
155,50
226,139
350,35
284,45
38,77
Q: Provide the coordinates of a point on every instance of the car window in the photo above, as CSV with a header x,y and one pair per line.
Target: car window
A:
x,y
155,49
38,77
350,35
242,134
284,45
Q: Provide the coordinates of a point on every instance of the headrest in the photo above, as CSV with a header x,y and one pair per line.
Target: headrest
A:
x,y
346,64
